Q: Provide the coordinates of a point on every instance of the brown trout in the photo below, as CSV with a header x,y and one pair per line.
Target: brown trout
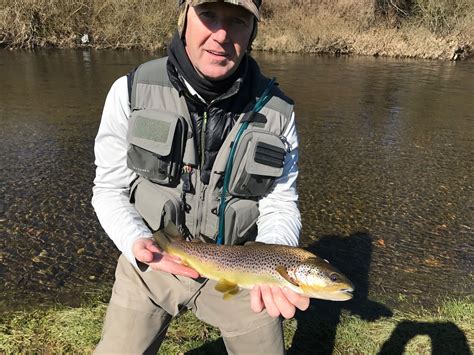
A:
x,y
243,266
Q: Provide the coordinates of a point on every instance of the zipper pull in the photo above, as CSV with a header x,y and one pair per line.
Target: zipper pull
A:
x,y
203,191
286,143
187,171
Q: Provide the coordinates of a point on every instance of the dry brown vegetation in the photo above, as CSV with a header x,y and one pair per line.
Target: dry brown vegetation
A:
x,y
108,23
403,28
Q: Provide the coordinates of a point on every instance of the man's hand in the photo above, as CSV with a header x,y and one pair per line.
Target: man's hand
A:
x,y
277,300
146,251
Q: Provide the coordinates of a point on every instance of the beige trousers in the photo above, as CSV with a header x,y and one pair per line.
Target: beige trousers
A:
x,y
143,303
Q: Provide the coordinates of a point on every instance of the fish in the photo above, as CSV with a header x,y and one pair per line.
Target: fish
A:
x,y
243,266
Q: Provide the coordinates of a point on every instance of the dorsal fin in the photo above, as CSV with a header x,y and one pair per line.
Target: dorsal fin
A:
x,y
250,242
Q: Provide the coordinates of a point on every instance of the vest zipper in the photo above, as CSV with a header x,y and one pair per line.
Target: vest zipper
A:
x,y
203,137
202,188
198,205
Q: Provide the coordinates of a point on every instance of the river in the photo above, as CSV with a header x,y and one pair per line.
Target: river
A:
x,y
386,171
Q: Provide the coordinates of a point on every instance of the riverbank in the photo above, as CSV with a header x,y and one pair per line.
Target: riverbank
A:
x,y
432,29
77,330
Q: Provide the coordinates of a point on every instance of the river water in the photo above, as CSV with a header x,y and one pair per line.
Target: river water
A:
x,y
386,172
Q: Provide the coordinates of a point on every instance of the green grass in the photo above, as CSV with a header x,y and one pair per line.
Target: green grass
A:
x,y
355,335
56,330
77,330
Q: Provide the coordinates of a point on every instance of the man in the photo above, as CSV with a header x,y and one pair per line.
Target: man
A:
x,y
162,154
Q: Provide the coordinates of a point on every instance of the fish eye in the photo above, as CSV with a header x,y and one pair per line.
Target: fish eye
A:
x,y
334,277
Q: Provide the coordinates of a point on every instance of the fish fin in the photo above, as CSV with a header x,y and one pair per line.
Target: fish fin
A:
x,y
284,273
253,243
161,239
231,293
172,231
165,236
226,286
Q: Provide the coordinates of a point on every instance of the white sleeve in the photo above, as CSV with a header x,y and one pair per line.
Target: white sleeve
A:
x,y
110,199
279,221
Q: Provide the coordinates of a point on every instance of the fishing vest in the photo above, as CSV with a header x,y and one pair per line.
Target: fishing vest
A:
x,y
163,153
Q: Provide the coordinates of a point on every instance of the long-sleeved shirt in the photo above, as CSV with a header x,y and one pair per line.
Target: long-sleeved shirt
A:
x,y
279,219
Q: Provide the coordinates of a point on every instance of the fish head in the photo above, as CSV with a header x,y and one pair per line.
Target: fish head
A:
x,y
317,278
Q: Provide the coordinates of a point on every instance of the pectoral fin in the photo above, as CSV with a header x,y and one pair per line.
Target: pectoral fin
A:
x,y
228,288
284,273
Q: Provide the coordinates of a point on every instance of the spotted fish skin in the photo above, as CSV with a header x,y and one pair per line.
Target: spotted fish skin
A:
x,y
256,258
258,263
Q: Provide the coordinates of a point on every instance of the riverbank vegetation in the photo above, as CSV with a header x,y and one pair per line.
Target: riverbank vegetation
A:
x,y
442,29
449,329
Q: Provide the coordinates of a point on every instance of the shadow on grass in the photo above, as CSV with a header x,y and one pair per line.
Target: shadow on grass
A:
x,y
316,331
317,326
215,347
446,338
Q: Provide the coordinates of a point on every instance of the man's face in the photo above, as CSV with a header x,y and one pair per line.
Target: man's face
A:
x,y
217,36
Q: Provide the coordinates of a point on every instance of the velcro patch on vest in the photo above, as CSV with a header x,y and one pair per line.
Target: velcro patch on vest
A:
x,y
154,130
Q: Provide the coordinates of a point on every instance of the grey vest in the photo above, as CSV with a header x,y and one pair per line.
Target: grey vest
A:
x,y
162,152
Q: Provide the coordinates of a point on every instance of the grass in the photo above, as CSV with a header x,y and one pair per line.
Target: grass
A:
x,y
442,16
77,330
358,336
400,28
109,23
428,29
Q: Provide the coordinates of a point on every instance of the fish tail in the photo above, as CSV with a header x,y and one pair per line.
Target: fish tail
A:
x,y
161,239
164,237
172,232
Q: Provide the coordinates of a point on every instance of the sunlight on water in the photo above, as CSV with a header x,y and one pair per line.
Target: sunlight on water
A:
x,y
386,169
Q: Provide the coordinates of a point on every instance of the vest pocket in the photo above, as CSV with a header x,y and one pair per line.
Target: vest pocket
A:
x,y
157,204
258,160
156,144
240,221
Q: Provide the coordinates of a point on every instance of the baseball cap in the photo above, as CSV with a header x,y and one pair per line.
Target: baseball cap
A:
x,y
250,5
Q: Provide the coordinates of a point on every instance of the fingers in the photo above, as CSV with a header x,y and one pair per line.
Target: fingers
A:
x,y
146,251
299,301
286,308
141,250
144,256
277,301
169,264
153,247
256,303
270,305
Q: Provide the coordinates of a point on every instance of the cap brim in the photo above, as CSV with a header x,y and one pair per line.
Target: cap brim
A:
x,y
247,4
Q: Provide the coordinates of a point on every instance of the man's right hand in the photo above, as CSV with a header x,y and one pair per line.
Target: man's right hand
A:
x,y
146,251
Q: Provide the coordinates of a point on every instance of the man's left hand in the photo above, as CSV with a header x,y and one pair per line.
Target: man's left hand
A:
x,y
277,301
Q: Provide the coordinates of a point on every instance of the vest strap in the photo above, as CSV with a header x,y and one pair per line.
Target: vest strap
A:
x,y
230,162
